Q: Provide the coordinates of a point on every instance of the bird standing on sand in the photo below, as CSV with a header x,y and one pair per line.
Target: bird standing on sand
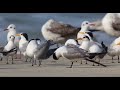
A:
x,y
72,53
114,49
58,32
12,31
23,43
37,51
99,50
9,49
109,24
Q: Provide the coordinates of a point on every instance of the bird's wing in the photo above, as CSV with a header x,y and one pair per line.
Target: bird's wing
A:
x,y
74,52
63,29
1,49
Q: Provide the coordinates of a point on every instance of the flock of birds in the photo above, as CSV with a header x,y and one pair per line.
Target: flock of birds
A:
x,y
78,43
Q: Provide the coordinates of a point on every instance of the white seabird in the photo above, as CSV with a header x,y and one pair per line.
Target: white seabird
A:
x,y
9,49
109,24
58,32
36,51
23,43
114,49
100,50
72,53
11,29
85,27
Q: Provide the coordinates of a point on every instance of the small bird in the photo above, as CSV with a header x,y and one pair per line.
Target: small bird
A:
x,y
114,49
12,31
23,43
99,50
72,52
85,30
36,51
9,49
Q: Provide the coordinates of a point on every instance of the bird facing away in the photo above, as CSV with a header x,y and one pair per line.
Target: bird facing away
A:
x,y
58,32
72,53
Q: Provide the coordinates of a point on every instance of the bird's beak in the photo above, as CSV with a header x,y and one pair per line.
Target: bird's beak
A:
x,y
118,43
79,39
17,34
5,30
92,24
82,32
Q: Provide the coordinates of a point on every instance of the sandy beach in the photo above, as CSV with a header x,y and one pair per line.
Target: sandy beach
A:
x,y
51,68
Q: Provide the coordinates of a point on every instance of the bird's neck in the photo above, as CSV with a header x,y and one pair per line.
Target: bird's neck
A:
x,y
85,45
84,29
10,42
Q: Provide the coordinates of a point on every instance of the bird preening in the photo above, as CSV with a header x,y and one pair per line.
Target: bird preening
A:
x,y
73,43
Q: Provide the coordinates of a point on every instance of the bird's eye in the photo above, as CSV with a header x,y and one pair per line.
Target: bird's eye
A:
x,y
86,23
14,28
10,27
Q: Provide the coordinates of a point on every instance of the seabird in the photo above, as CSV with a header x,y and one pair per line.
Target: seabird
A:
x,y
85,30
99,50
9,49
109,24
23,43
11,29
58,31
72,52
36,51
114,49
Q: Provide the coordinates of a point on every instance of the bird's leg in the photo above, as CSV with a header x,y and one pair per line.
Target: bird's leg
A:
x,y
12,60
32,62
71,65
1,59
15,56
112,60
26,59
40,62
20,54
86,62
7,61
93,62
30,59
118,59
81,61
35,62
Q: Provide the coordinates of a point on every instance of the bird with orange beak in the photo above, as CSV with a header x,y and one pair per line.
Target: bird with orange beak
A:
x,y
85,30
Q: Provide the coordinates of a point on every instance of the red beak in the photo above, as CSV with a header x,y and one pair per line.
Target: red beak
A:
x,y
92,24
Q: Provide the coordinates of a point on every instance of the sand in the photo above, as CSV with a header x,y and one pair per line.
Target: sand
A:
x,y
51,68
